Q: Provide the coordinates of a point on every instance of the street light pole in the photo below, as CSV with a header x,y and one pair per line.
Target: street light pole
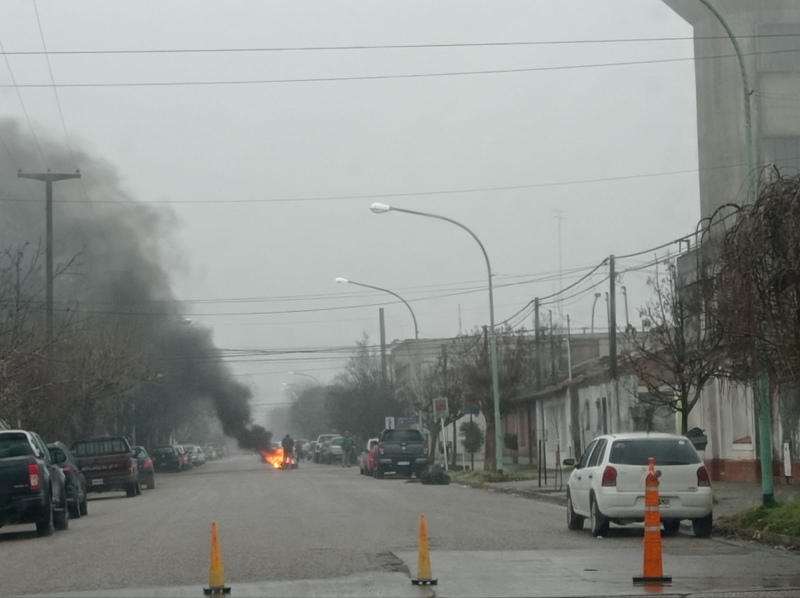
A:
x,y
762,384
380,208
49,178
596,297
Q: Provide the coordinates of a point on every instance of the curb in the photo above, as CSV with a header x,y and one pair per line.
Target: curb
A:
x,y
768,538
544,496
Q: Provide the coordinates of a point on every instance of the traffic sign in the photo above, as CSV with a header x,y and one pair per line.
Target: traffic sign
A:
x,y
389,423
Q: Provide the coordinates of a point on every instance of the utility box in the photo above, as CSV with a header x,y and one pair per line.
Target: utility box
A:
x,y
698,438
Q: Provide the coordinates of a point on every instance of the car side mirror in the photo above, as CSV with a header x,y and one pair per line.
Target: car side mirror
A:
x,y
569,462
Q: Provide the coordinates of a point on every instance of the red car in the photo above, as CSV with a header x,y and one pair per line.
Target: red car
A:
x,y
366,458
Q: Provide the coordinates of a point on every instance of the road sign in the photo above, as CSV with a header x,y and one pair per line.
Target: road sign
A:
x,y
471,405
389,423
440,409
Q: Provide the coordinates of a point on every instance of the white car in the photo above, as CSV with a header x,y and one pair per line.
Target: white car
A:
x,y
608,483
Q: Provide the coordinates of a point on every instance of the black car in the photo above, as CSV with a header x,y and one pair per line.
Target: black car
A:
x,y
75,480
167,458
147,475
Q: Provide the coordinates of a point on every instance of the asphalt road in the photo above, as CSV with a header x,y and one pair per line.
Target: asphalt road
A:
x,y
325,530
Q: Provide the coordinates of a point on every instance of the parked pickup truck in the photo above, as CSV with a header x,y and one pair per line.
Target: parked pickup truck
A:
x,y
32,487
403,452
108,464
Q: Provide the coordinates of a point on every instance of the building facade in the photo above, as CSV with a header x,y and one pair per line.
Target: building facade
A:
x,y
768,35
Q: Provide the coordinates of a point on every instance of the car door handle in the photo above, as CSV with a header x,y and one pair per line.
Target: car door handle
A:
x,y
590,476
579,477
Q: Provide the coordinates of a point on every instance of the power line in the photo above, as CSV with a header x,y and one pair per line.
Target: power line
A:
x,y
24,110
387,77
387,46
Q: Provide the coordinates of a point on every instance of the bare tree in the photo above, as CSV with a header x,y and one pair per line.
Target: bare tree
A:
x,y
470,353
683,349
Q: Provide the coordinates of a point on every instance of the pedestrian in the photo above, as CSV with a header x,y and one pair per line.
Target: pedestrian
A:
x,y
347,448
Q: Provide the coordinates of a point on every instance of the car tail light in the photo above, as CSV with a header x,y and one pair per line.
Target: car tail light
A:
x,y
609,476
34,476
703,478
67,470
380,448
425,449
129,463
148,462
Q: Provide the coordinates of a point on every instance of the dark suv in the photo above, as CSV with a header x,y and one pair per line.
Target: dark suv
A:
x,y
167,458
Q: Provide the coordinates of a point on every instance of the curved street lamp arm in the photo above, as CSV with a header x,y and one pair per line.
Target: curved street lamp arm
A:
x,y
748,90
473,235
369,286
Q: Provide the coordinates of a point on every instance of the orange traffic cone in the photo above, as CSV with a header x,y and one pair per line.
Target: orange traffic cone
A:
x,y
653,561
424,577
216,572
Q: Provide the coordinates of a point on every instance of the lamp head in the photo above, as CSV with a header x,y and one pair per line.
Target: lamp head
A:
x,y
380,208
343,280
597,295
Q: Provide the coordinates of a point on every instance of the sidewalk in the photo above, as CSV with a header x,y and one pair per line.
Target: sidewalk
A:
x,y
729,497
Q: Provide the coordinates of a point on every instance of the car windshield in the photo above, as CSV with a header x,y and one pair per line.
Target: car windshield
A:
x,y
665,451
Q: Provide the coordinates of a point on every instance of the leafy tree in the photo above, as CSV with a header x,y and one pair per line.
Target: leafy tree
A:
x,y
473,437
359,400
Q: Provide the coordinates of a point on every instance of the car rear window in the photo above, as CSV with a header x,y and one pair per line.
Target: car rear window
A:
x,y
402,435
107,446
666,451
164,450
14,445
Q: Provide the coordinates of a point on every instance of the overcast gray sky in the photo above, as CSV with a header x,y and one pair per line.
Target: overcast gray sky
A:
x,y
269,180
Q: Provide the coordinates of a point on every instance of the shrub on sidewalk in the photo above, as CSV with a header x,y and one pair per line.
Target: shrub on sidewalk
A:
x,y
780,518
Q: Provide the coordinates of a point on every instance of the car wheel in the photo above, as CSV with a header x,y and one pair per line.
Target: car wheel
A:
x,y
74,506
379,472
671,527
61,517
138,488
574,521
151,482
130,490
45,527
703,526
83,506
599,522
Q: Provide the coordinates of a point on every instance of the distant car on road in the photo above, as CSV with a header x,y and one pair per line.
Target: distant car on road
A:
x,y
75,481
167,458
366,458
332,450
146,470
608,483
321,440
186,457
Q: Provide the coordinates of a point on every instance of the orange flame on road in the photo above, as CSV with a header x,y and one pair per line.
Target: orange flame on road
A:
x,y
274,458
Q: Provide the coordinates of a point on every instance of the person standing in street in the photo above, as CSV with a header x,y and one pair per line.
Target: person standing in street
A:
x,y
347,448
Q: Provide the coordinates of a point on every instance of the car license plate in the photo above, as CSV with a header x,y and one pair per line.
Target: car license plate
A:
x,y
664,501
97,482
404,463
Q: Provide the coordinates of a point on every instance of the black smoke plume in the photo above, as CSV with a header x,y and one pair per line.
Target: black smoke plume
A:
x,y
123,248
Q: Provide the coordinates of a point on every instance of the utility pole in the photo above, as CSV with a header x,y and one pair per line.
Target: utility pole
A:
x,y
383,346
49,178
552,350
612,319
536,344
